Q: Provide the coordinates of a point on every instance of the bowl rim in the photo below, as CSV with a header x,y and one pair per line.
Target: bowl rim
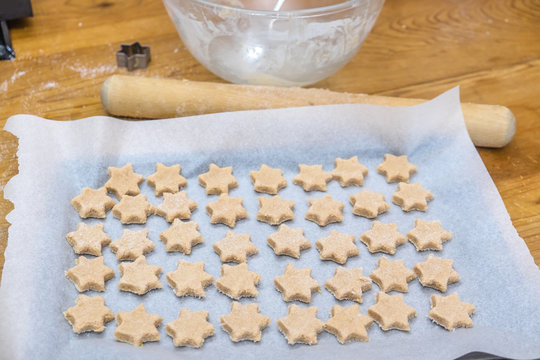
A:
x,y
303,12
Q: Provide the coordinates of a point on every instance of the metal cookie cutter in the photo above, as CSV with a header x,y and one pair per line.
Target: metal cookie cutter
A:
x,y
133,56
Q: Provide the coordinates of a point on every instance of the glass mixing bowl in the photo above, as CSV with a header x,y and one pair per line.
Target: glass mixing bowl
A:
x,y
246,42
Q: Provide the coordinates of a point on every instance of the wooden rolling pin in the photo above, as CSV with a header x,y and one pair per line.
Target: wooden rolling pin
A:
x,y
139,97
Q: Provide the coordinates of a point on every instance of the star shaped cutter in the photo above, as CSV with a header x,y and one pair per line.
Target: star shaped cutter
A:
x,y
133,56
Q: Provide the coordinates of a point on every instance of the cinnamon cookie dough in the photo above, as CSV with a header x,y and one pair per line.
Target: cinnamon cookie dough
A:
x,y
235,247
189,279
325,210
123,181
301,325
93,203
349,171
348,323
190,329
244,322
137,326
90,274
138,277
275,210
296,284
337,247
133,209
218,180
288,241
88,239
312,177
268,180
226,210
89,314
396,168
166,179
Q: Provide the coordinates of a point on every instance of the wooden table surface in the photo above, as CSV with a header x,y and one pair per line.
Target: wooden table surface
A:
x,y
418,48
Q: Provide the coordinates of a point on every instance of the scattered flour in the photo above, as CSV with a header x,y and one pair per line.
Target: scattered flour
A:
x,y
4,86
17,75
91,72
49,85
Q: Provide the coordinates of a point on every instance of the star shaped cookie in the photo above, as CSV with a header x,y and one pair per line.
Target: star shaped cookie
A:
x,y
428,235
137,326
123,181
337,247
88,314
325,210
244,322
132,244
300,325
349,172
138,277
396,168
348,323
392,275
312,177
189,279
218,180
90,274
412,197
296,284
133,209
383,238
88,239
268,180
226,210
166,179
181,236
450,312
237,281
288,241
190,329
391,312
275,210
235,247
436,273
176,206
348,284
368,204
93,203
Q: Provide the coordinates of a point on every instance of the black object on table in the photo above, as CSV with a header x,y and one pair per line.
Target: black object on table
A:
x,y
11,10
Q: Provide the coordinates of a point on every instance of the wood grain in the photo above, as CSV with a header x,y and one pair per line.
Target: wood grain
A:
x,y
417,49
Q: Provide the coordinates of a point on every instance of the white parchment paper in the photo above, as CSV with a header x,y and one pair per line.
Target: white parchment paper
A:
x,y
58,159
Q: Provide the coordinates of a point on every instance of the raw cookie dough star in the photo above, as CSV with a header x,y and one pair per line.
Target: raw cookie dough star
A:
x,y
390,312
268,180
288,241
90,274
349,171
368,204
325,210
139,277
123,181
245,322
226,210
383,238
235,247
348,284
132,244
166,179
450,312
181,236
137,326
392,275
218,180
176,206
93,203
133,209
312,177
189,279
337,247
436,273
89,314
190,329
396,168
300,325
348,323
88,239
412,197
237,281
428,235
296,284
275,210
